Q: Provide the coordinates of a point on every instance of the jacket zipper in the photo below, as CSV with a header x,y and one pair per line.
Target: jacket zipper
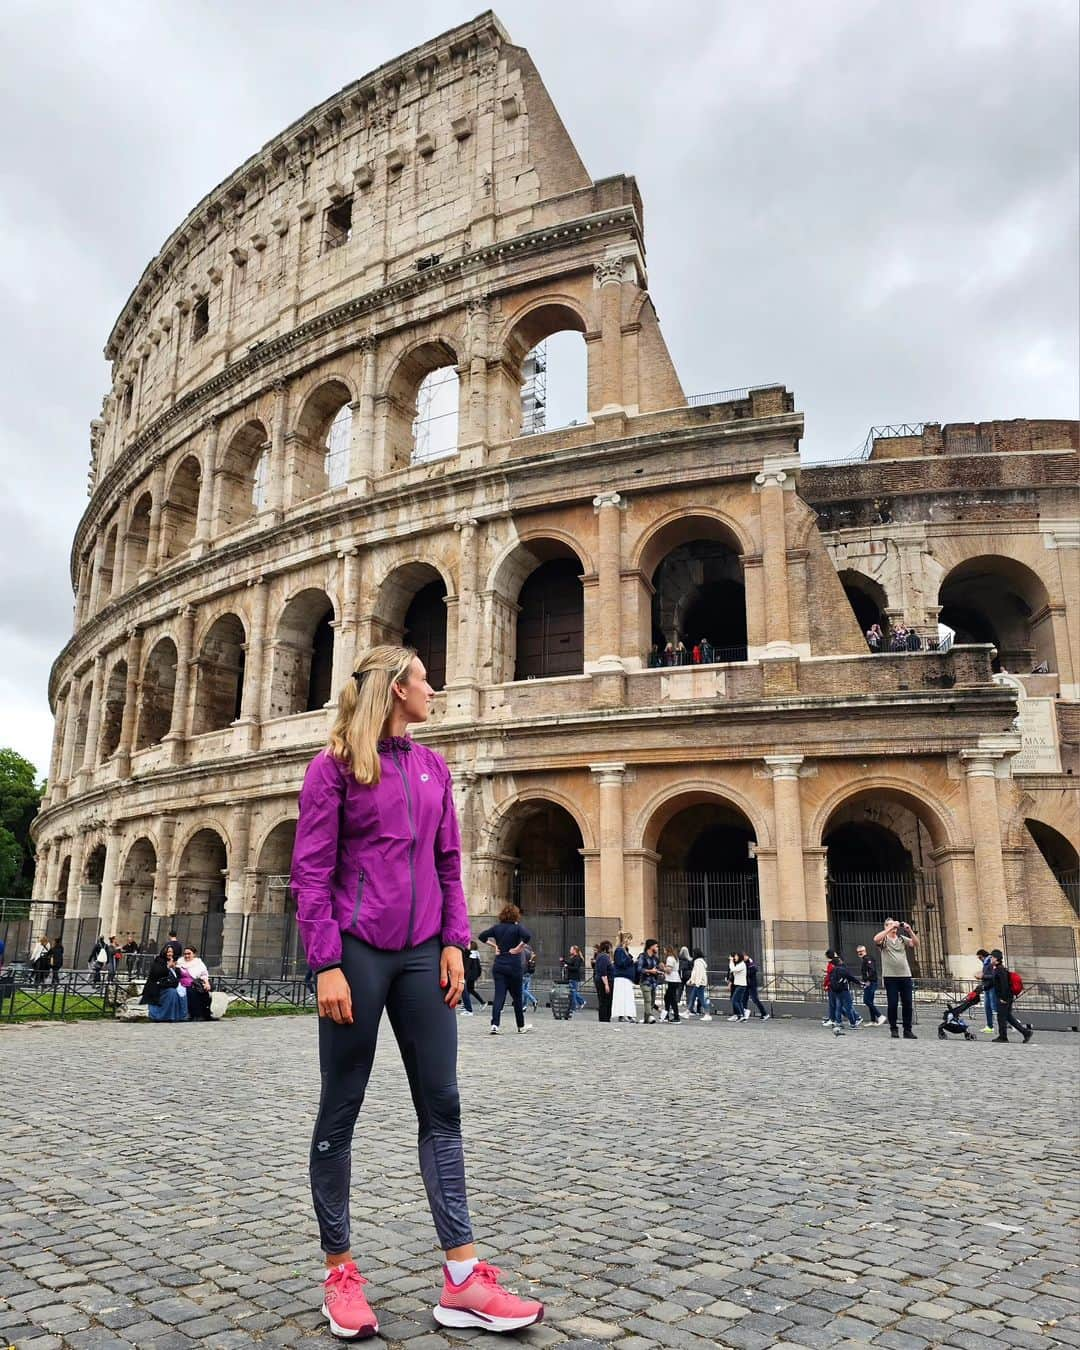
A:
x,y
412,848
359,898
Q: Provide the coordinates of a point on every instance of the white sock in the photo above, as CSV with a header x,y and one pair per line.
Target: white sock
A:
x,y
461,1270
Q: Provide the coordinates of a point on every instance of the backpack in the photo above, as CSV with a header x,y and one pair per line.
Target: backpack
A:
x,y
686,968
1016,984
838,980
530,962
637,969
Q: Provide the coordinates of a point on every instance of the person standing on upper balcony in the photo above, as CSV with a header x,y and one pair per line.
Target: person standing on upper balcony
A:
x,y
376,872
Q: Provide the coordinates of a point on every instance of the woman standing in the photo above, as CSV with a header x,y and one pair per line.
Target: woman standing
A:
x,y
509,939
603,979
672,985
575,973
376,872
737,976
623,1008
697,1002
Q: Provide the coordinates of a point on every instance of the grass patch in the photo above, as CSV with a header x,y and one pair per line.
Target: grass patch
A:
x,y
30,1007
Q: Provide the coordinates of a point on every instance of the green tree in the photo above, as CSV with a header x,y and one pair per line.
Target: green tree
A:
x,y
20,800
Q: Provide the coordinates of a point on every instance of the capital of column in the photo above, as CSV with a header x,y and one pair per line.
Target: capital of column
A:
x,y
611,270
979,761
366,344
783,766
771,478
608,775
603,499
465,522
479,306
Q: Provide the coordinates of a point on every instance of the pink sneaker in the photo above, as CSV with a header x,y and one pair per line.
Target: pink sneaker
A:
x,y
482,1302
345,1305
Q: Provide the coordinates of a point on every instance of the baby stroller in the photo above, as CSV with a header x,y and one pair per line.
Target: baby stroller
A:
x,y
951,1021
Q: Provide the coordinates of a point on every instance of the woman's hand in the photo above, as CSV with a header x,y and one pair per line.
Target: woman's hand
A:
x,y
451,975
335,996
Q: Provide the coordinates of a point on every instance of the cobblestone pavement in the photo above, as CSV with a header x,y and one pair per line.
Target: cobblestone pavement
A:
x,y
711,1185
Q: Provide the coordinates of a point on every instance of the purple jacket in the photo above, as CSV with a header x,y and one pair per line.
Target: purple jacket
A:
x,y
381,862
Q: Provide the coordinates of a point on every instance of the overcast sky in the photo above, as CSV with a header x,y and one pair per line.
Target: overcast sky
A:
x,y
874,203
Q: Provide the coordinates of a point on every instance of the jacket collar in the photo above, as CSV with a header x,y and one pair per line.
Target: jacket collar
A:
x,y
387,744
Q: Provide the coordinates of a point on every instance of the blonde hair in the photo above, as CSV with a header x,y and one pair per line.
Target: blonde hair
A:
x,y
364,707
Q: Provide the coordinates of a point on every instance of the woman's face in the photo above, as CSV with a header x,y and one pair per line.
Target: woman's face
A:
x,y
414,695
189,955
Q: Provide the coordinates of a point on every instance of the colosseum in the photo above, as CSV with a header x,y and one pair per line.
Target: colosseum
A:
x,y
329,426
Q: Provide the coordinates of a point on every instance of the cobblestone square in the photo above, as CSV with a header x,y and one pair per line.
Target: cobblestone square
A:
x,y
712,1185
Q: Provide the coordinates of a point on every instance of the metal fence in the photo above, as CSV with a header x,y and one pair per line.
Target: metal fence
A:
x,y
858,903
718,912
1042,953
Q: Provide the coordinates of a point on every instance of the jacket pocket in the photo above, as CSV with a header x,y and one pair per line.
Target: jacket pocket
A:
x,y
359,899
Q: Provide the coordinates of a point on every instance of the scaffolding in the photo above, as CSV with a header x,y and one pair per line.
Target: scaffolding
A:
x,y
534,391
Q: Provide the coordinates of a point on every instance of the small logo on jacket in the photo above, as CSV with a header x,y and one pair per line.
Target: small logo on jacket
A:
x,y
424,777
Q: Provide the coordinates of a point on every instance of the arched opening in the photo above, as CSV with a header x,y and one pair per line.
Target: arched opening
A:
x,y
546,878
999,600
879,865
303,656
108,576
138,540
271,939
200,894
112,712
63,884
1061,857
156,698
699,602
707,879
219,684
244,475
421,406
90,889
82,723
135,886
867,600
322,440
547,356
549,637
411,609
180,510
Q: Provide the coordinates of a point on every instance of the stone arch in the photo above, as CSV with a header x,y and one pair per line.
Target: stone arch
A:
x,y
113,699
667,802
321,438
410,609
158,686
90,882
273,862
998,599
934,814
538,355
82,724
404,427
63,881
107,577
492,832
135,883
680,526
243,475
180,508
203,864
137,540
219,682
538,608
867,597
302,656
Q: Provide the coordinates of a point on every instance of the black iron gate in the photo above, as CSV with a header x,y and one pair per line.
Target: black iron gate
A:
x,y
860,902
719,912
205,931
552,906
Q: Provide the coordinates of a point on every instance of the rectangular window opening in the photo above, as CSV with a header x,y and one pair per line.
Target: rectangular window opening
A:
x,y
200,319
338,224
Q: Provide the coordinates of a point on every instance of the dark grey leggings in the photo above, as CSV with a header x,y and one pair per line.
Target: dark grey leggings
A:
x,y
406,984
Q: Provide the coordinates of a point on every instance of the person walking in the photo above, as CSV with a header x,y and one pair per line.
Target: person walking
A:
x,y
648,970
868,976
575,973
672,986
697,1003
686,966
174,945
737,974
1004,993
603,980
528,972
376,872
840,981
894,942
509,939
752,990
623,1008
474,969
989,993
56,959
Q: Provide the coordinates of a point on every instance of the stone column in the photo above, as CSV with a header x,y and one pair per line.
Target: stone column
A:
x,y
790,864
42,861
771,485
205,524
609,277
157,501
277,495
95,583
109,897
251,704
131,703
461,686
345,627
59,725
608,506
475,430
71,723
177,734
980,772
611,900
159,902
93,722
78,848
362,442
